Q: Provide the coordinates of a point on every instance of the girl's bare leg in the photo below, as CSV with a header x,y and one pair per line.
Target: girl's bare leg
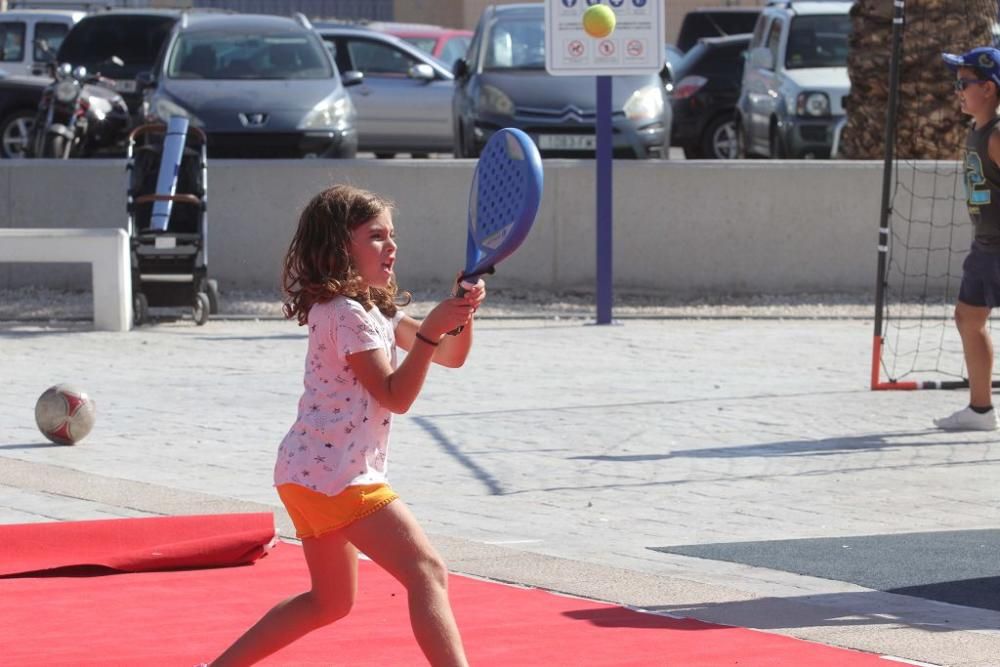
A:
x,y
394,540
333,568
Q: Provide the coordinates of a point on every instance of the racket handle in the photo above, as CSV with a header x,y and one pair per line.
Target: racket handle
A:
x,y
463,287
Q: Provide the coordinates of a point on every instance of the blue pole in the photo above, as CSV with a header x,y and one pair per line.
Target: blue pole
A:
x,y
604,163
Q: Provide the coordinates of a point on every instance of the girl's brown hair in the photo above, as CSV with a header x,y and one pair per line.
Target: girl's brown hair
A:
x,y
318,264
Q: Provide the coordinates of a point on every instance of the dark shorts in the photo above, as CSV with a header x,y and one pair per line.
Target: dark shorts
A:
x,y
981,277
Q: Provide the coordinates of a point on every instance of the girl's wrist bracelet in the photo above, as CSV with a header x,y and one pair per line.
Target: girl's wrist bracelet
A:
x,y
425,339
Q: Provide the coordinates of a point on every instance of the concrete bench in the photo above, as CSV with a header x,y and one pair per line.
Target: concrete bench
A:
x,y
107,251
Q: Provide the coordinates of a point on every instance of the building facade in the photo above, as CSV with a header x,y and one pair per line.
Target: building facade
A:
x,y
465,13
450,13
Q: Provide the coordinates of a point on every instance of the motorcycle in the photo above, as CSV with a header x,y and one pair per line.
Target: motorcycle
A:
x,y
78,116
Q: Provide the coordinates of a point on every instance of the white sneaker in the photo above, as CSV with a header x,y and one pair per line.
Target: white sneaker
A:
x,y
968,419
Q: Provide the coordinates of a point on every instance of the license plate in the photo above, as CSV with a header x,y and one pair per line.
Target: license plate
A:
x,y
125,85
567,142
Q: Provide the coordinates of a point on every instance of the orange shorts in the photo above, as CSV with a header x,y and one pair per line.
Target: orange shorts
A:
x,y
315,513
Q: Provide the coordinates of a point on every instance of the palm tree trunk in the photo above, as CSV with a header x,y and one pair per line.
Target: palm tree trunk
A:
x,y
929,123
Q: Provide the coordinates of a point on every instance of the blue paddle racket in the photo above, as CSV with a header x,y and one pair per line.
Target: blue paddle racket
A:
x,y
506,191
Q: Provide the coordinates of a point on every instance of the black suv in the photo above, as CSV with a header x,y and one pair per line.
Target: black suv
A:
x,y
704,96
118,45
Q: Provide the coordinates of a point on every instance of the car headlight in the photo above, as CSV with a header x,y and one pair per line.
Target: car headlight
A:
x,y
67,90
329,114
163,109
644,104
494,100
812,104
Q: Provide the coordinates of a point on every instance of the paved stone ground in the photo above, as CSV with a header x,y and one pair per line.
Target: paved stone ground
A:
x,y
557,457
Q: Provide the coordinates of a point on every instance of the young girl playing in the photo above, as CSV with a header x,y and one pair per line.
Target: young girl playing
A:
x,y
331,466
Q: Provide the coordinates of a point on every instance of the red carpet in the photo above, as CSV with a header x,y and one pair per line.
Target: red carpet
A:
x,y
179,618
136,545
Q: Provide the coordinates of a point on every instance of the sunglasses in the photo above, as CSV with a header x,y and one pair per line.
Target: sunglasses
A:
x,y
962,84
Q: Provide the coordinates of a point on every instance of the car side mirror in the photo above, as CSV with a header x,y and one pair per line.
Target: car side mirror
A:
x,y
421,72
460,69
352,78
145,79
761,58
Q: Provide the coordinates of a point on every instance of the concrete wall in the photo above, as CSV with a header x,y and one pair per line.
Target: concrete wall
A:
x,y
690,227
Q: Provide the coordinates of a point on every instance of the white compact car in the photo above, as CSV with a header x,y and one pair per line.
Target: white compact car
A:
x,y
791,101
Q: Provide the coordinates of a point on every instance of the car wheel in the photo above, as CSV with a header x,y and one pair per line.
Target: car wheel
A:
x,y
456,141
720,140
692,152
346,151
464,150
742,146
777,145
15,133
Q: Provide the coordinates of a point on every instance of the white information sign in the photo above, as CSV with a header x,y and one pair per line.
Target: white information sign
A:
x,y
636,46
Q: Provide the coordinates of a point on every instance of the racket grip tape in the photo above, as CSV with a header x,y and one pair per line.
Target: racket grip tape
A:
x,y
463,287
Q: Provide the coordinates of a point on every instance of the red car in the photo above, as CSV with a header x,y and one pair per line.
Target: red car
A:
x,y
445,44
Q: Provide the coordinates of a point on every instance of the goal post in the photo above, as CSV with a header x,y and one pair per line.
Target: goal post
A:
x,y
924,229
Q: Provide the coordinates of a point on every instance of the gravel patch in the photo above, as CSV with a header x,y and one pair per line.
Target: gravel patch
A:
x,y
33,304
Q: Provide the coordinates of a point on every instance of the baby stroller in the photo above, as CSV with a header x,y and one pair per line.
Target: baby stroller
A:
x,y
167,220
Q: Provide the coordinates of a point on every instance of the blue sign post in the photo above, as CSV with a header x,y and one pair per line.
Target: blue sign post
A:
x,y
605,156
634,46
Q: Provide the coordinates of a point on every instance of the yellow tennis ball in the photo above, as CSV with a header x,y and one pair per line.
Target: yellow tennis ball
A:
x,y
599,21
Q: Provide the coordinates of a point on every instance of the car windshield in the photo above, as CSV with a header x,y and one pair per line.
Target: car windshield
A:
x,y
98,41
229,55
818,41
515,44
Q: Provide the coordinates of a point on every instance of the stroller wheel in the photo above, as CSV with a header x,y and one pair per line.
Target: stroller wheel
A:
x,y
213,296
201,308
140,309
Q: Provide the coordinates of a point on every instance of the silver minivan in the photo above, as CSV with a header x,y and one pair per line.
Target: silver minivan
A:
x,y
24,35
404,100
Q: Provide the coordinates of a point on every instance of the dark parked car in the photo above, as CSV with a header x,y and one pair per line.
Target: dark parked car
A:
x,y
502,82
118,45
706,88
715,22
19,98
260,86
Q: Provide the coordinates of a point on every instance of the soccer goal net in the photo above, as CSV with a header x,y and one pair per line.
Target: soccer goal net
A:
x,y
925,231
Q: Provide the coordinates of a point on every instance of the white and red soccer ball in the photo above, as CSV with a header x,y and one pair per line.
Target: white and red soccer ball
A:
x,y
65,414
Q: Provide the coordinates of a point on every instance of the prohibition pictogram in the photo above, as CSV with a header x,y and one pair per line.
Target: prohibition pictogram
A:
x,y
575,48
606,47
634,48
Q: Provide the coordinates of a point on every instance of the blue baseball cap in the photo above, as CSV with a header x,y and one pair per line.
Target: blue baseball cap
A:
x,y
986,59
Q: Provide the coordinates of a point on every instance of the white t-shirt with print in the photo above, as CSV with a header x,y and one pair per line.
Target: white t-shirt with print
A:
x,y
341,435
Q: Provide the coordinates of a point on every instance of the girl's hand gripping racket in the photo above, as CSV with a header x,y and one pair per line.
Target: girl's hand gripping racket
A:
x,y
506,191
